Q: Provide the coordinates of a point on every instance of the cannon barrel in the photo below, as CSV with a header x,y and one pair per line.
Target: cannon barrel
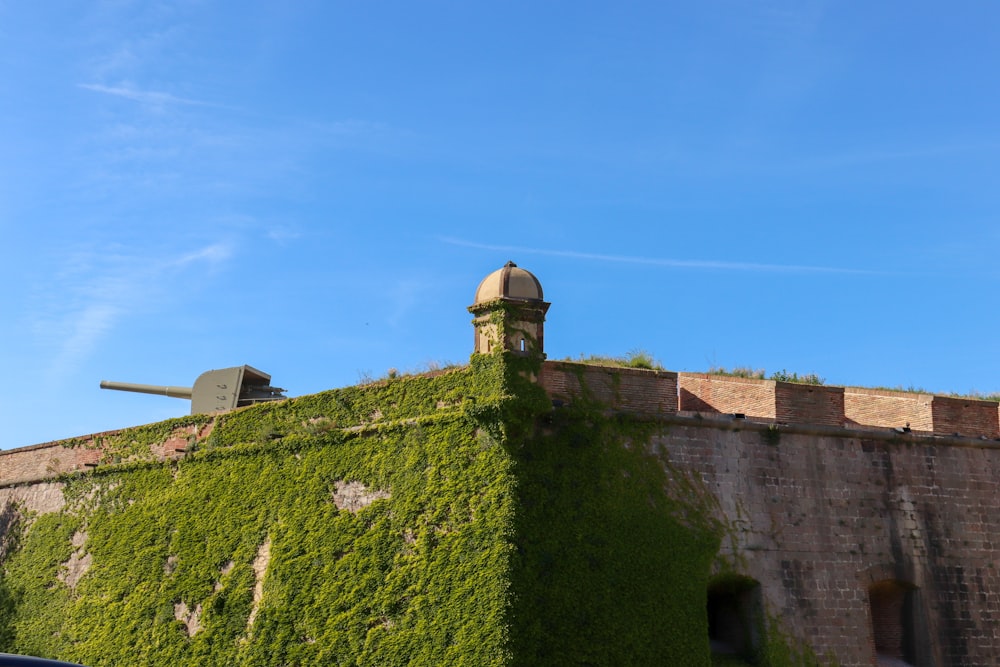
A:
x,y
215,391
174,392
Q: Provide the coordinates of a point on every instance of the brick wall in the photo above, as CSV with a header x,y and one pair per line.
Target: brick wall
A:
x,y
965,417
633,390
812,517
702,392
886,604
44,461
762,400
795,403
818,518
890,409
808,404
51,459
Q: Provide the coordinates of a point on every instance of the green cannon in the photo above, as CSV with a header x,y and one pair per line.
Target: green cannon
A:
x,y
214,391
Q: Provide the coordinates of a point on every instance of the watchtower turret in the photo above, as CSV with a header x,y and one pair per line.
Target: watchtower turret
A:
x,y
509,313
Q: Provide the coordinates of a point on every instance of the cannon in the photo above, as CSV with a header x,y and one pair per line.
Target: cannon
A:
x,y
214,391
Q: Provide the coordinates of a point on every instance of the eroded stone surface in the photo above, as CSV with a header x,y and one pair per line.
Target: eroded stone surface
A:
x,y
353,496
41,498
74,569
79,561
259,570
191,618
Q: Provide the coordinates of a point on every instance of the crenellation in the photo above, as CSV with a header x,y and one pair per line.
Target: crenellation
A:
x,y
965,417
808,404
633,390
704,392
889,409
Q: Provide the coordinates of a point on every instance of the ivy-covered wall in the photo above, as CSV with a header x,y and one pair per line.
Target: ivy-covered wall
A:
x,y
381,515
609,569
447,520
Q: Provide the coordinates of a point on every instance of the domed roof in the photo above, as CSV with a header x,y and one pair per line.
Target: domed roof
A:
x,y
509,282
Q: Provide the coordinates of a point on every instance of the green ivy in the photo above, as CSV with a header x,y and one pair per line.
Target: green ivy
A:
x,y
130,444
418,577
607,574
504,533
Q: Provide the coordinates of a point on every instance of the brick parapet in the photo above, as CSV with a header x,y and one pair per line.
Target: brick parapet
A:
x,y
704,392
889,409
808,404
926,413
61,457
965,417
47,460
642,392
796,403
634,390
767,400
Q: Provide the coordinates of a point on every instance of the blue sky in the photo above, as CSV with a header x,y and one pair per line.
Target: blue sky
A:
x,y
316,188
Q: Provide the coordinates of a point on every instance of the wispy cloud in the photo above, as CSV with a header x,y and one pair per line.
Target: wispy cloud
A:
x,y
697,264
147,97
90,323
95,291
214,254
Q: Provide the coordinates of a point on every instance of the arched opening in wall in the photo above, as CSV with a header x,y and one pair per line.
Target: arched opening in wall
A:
x,y
735,620
893,611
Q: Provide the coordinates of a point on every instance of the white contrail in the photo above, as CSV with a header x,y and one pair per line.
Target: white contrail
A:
x,y
654,261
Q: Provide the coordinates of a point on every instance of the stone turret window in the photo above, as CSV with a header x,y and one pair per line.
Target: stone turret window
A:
x,y
735,619
892,610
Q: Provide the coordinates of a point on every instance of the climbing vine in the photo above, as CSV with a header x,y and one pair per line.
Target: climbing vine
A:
x,y
135,443
177,551
447,519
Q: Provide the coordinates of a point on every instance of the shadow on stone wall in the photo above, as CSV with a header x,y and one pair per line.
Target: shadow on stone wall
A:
x,y
605,572
10,522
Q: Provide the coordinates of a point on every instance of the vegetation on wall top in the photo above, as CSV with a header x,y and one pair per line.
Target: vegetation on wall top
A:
x,y
760,374
634,359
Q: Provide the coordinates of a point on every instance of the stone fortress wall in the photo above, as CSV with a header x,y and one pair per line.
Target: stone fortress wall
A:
x,y
864,519
869,519
830,492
